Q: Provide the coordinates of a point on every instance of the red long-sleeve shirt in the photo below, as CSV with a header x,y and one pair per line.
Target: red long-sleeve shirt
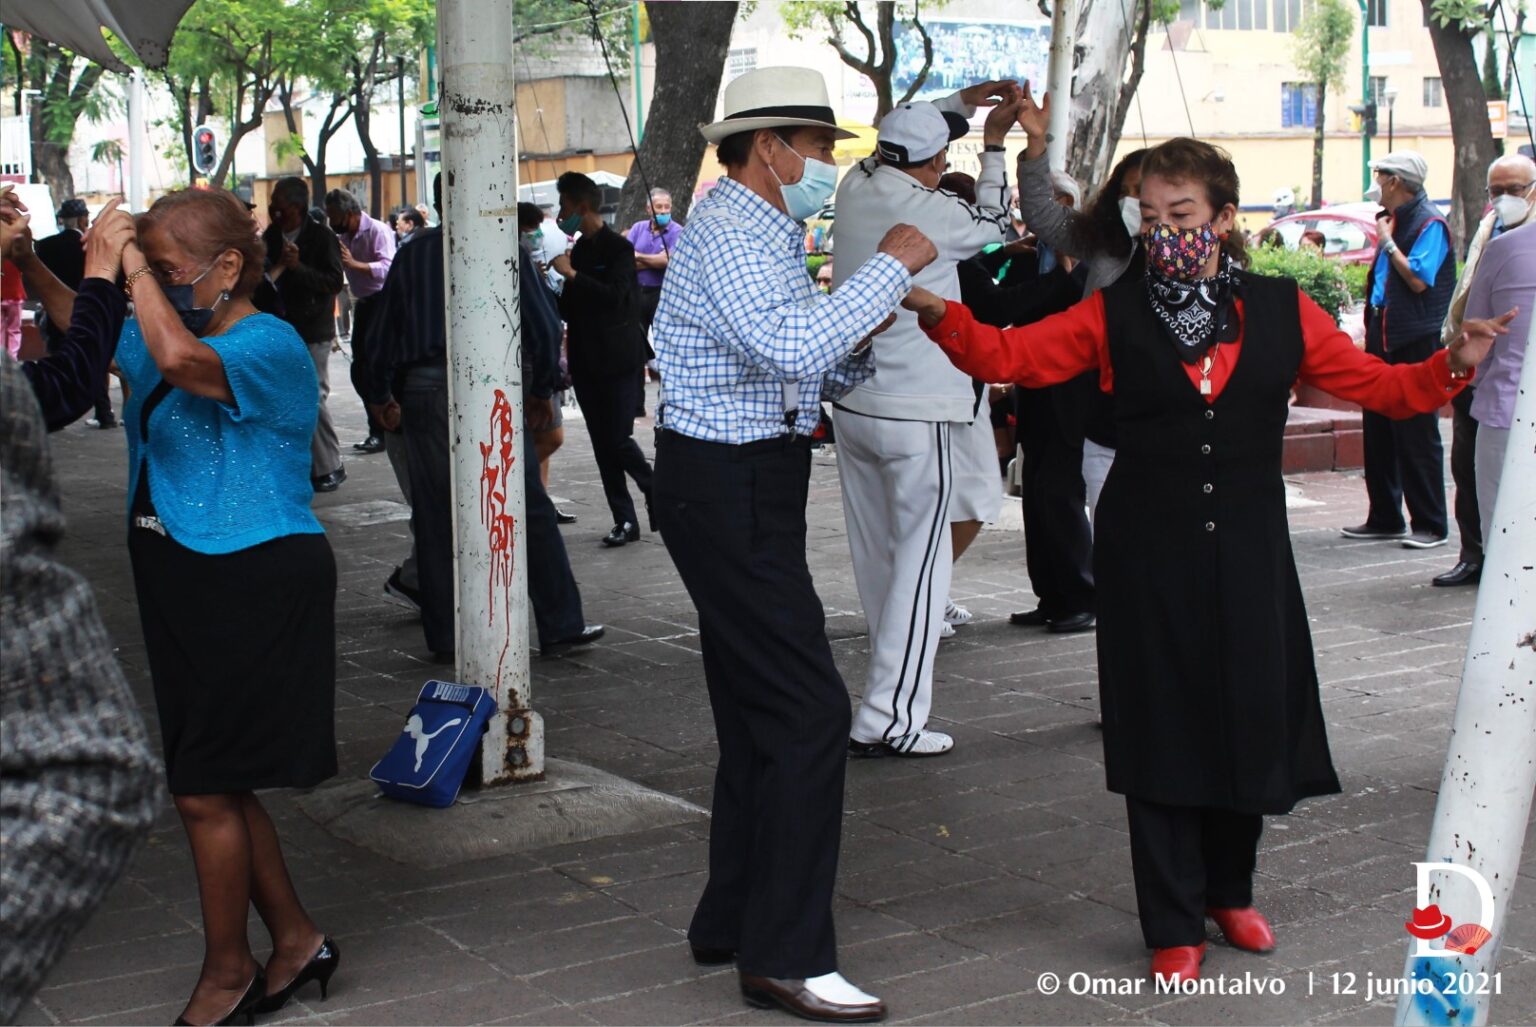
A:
x,y
1064,345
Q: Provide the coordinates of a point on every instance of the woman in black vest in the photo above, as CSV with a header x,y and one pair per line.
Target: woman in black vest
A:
x,y
1209,693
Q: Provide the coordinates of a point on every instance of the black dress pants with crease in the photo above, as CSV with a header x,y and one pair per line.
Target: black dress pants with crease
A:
x,y
608,406
1058,539
733,520
1187,859
1404,459
1469,524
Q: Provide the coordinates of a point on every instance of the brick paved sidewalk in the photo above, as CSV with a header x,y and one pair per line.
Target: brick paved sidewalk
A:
x,y
963,879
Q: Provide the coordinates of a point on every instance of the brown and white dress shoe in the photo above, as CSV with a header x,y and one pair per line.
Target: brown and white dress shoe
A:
x,y
826,999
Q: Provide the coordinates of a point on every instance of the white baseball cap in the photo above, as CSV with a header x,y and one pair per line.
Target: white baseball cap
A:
x,y
1408,165
913,132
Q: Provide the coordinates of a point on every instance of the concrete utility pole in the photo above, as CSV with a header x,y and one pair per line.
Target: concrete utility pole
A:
x,y
1490,770
137,140
1059,81
479,168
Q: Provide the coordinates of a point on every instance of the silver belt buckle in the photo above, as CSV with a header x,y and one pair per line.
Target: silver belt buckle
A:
x,y
150,522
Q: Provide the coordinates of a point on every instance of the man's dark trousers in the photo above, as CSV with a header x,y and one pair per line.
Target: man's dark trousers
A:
x,y
733,520
1464,473
552,590
1185,860
362,324
1058,539
608,406
1404,459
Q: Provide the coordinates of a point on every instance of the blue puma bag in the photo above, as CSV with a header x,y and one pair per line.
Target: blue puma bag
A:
x,y
428,762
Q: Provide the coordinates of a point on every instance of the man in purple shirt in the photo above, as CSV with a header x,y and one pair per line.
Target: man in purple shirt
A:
x,y
1506,279
367,249
653,240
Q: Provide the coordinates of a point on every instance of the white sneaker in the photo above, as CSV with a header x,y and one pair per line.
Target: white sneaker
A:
x,y
923,743
946,630
835,988
955,614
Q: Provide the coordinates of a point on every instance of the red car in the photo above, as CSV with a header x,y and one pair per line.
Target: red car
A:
x,y
1348,228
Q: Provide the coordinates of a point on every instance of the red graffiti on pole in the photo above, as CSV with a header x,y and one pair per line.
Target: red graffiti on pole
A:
x,y
496,472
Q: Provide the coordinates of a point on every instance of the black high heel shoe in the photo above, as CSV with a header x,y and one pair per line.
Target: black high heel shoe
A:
x,y
319,968
245,1010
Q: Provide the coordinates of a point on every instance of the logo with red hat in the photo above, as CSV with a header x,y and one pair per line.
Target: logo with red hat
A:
x,y
1430,923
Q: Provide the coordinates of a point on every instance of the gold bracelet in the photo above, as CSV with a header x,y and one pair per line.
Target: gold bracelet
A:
x,y
134,277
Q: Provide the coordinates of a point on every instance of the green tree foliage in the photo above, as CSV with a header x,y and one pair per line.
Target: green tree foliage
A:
x,y
1321,278
539,24
1321,50
72,91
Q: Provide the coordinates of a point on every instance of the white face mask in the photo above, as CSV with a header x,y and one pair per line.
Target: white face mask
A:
x,y
1512,210
1130,215
1373,194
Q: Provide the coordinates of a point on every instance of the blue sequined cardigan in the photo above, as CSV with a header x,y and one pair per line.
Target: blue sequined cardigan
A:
x,y
227,476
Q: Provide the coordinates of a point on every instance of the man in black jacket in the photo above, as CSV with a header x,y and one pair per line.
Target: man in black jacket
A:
x,y
64,255
605,345
304,263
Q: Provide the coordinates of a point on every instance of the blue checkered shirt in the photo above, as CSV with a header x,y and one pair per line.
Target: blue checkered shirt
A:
x,y
742,333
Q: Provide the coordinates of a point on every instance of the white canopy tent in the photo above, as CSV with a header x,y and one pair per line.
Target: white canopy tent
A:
x,y
144,26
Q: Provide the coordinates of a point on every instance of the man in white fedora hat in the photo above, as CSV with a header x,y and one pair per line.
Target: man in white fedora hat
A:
x,y
747,348
901,473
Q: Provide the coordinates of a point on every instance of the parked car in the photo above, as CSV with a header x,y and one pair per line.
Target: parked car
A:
x,y
1349,230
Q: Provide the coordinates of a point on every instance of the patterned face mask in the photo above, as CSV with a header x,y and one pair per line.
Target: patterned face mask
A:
x,y
1180,253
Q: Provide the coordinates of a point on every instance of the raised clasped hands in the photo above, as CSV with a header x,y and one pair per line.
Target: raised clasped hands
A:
x,y
110,235
990,94
1034,118
1476,339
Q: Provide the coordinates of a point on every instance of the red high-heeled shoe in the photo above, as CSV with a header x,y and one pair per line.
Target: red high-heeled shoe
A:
x,y
1179,963
1244,928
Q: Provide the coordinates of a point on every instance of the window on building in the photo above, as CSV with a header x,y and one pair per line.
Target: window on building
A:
x,y
1379,91
739,62
1376,13
1287,15
1298,105
1434,93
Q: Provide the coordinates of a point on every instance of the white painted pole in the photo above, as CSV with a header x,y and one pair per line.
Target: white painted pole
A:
x,y
1490,770
137,141
1059,81
479,168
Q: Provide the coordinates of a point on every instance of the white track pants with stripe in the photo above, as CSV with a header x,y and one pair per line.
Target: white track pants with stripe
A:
x,y
897,480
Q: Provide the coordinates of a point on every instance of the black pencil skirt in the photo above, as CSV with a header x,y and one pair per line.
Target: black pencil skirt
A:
x,y
242,651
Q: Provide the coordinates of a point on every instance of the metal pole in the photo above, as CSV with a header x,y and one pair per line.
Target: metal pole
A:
x,y
1490,770
400,70
1059,81
635,56
137,141
1365,95
479,158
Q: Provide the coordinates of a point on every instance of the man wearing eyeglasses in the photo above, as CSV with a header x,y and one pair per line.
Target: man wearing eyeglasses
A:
x,y
1512,199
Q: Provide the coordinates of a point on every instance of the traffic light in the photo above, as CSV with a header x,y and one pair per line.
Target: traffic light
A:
x,y
1370,118
205,149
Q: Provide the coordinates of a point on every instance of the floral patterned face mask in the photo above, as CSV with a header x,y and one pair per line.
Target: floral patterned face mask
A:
x,y
1180,253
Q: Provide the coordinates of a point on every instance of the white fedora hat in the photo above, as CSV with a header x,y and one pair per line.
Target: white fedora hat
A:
x,y
774,97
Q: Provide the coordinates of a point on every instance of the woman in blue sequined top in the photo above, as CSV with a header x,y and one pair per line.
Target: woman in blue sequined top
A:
x,y
235,579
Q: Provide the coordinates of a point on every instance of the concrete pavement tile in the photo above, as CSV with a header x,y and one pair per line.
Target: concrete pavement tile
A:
x,y
618,975
97,963
556,1016
556,949
706,1000
466,1004
626,868
936,907
1028,1007
117,996
355,987
491,926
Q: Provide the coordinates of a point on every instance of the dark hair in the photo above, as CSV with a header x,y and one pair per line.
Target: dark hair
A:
x,y
1103,230
292,191
1314,237
342,202
961,184
733,150
578,188
1191,160
413,215
529,215
207,223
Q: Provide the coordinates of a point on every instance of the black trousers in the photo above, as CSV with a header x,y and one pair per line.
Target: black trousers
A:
x,y
1404,459
552,590
608,405
1058,539
362,322
1186,860
733,520
1464,473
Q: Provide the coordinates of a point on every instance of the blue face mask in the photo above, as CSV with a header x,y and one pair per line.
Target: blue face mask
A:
x,y
814,189
663,220
570,225
194,319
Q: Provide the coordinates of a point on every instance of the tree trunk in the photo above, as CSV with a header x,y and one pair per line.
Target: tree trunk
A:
x,y
1317,147
51,72
691,41
363,82
1471,135
1105,92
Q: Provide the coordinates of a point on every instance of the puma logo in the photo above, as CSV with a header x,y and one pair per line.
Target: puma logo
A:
x,y
413,727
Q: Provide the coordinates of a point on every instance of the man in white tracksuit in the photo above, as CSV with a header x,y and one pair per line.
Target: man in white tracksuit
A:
x,y
893,431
